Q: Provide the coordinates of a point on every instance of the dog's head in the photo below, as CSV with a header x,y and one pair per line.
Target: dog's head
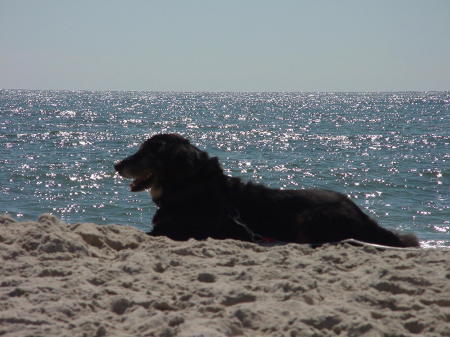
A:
x,y
163,159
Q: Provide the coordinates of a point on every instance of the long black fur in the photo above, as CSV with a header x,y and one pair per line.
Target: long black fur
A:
x,y
197,200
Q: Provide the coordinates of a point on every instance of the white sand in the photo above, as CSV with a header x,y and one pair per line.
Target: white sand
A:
x,y
90,280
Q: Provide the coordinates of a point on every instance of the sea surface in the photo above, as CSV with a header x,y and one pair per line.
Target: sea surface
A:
x,y
389,152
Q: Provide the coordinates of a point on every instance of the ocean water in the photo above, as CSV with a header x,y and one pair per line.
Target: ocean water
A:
x,y
389,152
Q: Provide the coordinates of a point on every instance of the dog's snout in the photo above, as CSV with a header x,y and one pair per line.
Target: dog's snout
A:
x,y
124,168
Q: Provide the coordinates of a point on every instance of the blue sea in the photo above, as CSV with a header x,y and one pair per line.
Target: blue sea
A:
x,y
389,152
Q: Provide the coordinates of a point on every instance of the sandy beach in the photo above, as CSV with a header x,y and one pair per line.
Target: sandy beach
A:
x,y
84,279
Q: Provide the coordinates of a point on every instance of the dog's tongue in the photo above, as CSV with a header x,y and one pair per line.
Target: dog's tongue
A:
x,y
134,186
141,184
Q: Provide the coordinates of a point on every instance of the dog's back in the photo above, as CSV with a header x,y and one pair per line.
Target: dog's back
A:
x,y
309,216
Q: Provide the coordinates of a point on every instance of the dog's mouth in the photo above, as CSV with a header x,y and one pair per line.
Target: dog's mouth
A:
x,y
142,183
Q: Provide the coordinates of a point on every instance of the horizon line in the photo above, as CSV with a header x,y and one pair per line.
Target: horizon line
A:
x,y
237,91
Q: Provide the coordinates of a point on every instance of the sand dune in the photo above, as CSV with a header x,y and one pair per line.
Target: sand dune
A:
x,y
59,279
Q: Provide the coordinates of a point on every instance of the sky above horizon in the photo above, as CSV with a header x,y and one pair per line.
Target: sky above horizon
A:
x,y
229,45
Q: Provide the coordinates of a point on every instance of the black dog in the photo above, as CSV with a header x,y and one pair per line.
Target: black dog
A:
x,y
197,200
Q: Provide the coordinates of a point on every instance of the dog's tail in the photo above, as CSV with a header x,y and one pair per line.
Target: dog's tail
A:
x,y
383,236
408,240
